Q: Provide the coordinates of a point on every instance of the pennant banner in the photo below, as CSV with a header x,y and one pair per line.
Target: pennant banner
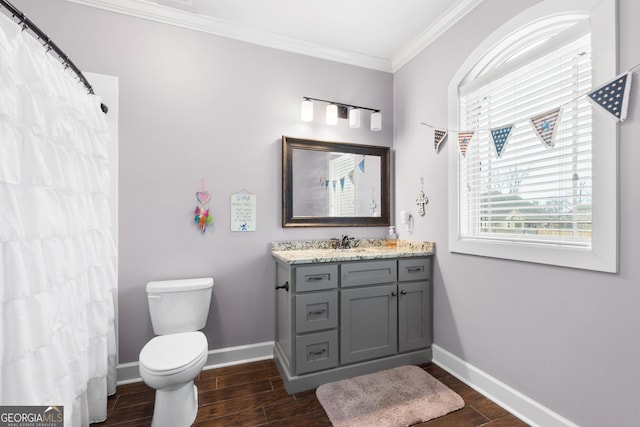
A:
x,y
463,141
545,126
361,165
438,137
500,138
613,96
334,183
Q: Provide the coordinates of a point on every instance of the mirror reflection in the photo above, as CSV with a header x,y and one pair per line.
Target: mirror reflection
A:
x,y
333,184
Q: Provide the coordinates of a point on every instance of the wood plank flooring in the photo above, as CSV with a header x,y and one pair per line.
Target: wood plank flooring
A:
x,y
253,394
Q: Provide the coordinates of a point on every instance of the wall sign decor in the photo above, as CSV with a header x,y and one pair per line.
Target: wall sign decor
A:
x,y
243,211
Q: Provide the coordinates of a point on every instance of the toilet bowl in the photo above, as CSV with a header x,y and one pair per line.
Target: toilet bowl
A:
x,y
171,361
170,364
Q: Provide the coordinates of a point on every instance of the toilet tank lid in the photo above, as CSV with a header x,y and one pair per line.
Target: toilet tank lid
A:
x,y
179,285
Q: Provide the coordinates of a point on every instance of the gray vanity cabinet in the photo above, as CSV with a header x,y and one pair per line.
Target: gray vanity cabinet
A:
x,y
336,320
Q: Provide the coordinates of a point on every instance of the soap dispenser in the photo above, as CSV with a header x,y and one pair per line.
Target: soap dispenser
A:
x,y
392,237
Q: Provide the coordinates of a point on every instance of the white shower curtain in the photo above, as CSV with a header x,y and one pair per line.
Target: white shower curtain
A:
x,y
57,257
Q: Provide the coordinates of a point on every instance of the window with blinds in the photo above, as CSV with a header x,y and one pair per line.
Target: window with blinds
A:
x,y
533,199
533,191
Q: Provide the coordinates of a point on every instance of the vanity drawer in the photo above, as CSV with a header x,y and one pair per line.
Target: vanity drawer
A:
x,y
414,269
368,273
315,352
316,311
316,277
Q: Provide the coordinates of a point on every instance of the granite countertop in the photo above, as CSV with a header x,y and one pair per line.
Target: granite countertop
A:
x,y
317,251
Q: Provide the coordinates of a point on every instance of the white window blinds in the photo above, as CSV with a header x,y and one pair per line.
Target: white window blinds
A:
x,y
533,192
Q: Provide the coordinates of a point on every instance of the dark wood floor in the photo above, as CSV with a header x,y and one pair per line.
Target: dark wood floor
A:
x,y
253,394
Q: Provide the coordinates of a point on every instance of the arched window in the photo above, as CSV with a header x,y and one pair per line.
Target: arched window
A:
x,y
538,147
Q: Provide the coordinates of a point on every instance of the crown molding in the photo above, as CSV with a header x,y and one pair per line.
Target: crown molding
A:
x,y
152,11
166,15
446,21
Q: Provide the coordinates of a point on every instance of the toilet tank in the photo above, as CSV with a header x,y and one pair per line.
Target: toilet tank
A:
x,y
179,305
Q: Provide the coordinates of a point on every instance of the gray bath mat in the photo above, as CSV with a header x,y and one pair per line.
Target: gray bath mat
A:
x,y
396,397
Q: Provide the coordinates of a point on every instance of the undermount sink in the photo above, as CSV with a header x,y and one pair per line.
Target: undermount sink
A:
x,y
352,250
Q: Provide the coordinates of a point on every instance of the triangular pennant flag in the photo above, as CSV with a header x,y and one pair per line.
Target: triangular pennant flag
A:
x,y
326,184
463,141
342,183
351,176
438,137
545,126
612,97
334,185
500,138
361,165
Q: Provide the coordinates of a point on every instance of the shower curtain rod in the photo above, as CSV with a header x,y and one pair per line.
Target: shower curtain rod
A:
x,y
28,24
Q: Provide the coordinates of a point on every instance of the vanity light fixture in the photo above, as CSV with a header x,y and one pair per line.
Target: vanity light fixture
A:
x,y
332,114
306,110
339,110
354,118
376,121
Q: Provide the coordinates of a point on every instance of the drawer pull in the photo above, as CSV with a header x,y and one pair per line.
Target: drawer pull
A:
x,y
394,293
285,286
315,278
414,269
318,311
317,353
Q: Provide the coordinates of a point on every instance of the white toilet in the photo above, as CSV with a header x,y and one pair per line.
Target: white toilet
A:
x,y
171,361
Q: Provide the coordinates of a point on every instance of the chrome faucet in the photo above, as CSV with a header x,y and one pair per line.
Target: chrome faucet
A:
x,y
345,242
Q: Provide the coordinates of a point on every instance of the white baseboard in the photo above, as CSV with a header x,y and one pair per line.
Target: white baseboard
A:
x,y
523,407
129,373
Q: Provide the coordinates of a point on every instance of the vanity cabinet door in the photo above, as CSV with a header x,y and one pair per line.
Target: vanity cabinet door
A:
x,y
414,316
368,322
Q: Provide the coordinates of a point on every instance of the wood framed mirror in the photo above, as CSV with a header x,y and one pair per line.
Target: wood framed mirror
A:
x,y
334,184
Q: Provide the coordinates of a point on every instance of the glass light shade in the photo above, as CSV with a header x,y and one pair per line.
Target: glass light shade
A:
x,y
376,121
354,118
332,114
306,110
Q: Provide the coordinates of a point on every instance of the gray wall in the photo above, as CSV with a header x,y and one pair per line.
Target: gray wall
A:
x,y
566,338
194,106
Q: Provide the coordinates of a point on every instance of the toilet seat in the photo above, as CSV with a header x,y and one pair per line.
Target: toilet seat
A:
x,y
169,354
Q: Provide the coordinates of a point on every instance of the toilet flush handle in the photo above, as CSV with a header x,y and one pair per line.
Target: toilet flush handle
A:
x,y
155,297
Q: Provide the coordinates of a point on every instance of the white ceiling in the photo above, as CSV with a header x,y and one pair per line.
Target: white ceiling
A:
x,y
377,34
